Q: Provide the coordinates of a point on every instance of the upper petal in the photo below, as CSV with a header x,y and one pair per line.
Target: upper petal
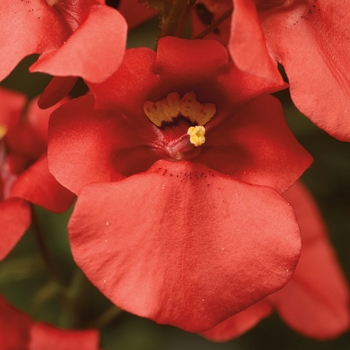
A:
x,y
182,237
247,43
311,40
94,50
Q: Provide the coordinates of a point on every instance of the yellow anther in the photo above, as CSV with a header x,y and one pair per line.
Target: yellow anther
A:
x,y
197,135
172,106
3,131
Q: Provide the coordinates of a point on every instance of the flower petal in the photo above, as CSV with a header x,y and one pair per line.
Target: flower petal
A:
x,y
94,50
15,219
38,186
247,43
44,337
256,146
14,327
87,145
240,323
135,12
182,237
315,302
311,41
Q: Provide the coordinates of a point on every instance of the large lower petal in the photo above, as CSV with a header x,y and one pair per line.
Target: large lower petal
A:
x,y
181,237
38,186
15,219
311,40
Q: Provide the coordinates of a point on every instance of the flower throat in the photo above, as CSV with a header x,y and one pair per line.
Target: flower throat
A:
x,y
165,112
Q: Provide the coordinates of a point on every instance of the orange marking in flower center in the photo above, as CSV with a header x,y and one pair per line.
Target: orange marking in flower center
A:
x,y
51,2
172,106
3,131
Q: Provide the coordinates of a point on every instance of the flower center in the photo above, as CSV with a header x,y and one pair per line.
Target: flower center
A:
x,y
181,142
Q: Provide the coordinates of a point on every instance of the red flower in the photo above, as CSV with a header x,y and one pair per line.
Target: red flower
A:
x,y
170,224
18,331
315,302
310,39
24,174
74,38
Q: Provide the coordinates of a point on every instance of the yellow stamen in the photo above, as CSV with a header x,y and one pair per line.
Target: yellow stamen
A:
x,y
3,130
196,133
172,106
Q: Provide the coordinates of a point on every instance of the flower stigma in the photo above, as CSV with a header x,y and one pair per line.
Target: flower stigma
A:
x,y
181,121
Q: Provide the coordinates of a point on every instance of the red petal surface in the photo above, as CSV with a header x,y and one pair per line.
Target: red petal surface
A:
x,y
15,219
316,300
45,337
11,106
240,323
182,237
247,43
56,90
38,186
28,27
14,327
311,40
94,51
135,12
200,66
256,146
87,146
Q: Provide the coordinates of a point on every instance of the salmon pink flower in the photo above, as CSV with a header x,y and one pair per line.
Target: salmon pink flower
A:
x,y
315,302
18,331
24,174
179,160
310,39
74,38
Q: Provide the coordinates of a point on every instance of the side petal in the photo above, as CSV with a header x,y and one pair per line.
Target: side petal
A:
x,y
256,146
87,145
44,337
315,302
94,51
311,41
15,219
182,237
247,43
240,323
38,186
